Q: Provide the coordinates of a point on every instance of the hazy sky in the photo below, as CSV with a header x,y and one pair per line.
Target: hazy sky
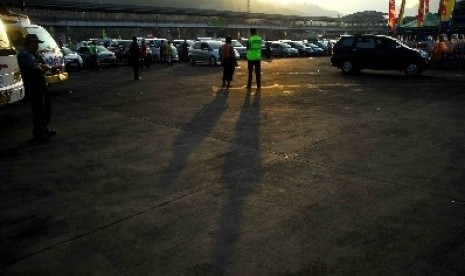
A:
x,y
351,6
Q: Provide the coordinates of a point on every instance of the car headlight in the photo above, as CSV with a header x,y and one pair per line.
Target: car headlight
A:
x,y
424,54
16,76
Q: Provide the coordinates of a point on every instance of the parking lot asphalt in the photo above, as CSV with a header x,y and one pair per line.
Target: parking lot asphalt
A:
x,y
317,173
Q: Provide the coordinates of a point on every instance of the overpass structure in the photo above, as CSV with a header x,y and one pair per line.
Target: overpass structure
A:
x,y
67,18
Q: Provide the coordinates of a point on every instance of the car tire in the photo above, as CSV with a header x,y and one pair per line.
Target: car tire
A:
x,y
191,60
212,61
347,67
412,69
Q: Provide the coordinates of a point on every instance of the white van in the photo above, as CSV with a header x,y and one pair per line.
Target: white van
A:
x,y
49,50
11,84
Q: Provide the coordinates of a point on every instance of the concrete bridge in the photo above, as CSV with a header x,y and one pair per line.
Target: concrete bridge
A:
x,y
81,21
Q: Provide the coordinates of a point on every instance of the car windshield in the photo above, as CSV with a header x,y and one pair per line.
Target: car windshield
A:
x,y
298,43
102,49
215,44
67,51
4,41
48,41
236,43
125,43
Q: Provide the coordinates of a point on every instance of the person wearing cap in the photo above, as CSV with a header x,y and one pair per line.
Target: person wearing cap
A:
x,y
33,71
254,56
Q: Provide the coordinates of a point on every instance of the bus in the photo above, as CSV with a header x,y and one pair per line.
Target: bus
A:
x,y
11,83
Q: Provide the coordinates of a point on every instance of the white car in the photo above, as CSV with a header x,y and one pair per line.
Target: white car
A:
x,y
207,51
72,59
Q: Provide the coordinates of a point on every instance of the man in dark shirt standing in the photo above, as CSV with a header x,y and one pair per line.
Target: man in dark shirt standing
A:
x,y
33,73
135,56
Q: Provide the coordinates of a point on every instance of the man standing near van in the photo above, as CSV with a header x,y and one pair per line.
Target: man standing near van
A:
x,y
254,56
33,73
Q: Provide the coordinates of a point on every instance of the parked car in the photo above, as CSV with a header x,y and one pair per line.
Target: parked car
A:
x,y
206,52
316,50
266,49
105,57
121,49
155,43
303,50
72,59
241,49
182,52
178,43
282,49
353,53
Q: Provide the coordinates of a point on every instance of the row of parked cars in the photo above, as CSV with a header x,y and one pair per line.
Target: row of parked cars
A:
x,y
287,48
201,51
208,50
117,51
80,58
351,53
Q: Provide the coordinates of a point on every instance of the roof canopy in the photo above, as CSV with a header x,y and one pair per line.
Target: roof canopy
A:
x,y
431,21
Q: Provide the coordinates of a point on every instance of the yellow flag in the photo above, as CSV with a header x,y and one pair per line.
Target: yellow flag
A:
x,y
400,19
446,9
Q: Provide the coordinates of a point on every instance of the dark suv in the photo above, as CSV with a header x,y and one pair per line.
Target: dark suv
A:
x,y
353,53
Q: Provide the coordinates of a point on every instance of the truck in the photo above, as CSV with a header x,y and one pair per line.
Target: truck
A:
x,y
18,26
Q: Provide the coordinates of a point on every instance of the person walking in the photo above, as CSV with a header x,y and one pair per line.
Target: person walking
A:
x,y
228,57
33,69
93,55
254,56
134,51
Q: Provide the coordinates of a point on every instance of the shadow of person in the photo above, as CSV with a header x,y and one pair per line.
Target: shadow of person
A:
x,y
13,151
194,133
247,163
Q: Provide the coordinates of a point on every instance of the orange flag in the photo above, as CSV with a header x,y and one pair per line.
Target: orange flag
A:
x,y
392,14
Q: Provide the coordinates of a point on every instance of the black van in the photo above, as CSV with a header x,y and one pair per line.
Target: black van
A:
x,y
353,53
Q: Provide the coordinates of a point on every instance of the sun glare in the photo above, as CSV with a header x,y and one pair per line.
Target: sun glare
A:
x,y
283,2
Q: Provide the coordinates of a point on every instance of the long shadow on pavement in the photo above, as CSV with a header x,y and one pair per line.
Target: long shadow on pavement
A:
x,y
238,188
195,131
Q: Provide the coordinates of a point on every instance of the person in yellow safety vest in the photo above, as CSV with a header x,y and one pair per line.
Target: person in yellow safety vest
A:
x,y
254,56
93,55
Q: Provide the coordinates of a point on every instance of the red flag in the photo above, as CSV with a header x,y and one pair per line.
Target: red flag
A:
x,y
392,14
421,13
